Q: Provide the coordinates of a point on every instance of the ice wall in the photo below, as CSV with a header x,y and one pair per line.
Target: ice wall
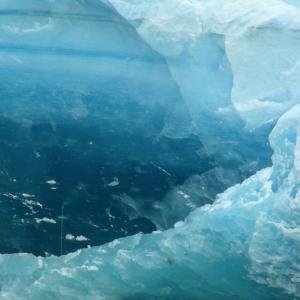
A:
x,y
79,128
246,244
85,107
236,62
237,66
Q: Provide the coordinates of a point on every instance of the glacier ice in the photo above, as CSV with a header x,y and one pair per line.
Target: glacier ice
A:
x,y
237,67
79,128
74,116
217,86
229,40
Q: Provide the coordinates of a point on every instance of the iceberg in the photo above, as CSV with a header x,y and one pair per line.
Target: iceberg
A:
x,y
237,67
243,246
211,46
170,129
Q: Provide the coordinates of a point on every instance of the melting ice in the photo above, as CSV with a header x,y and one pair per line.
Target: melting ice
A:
x,y
122,118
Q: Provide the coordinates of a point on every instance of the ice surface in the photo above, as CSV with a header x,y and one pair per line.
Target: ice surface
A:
x,y
236,64
80,129
211,47
215,80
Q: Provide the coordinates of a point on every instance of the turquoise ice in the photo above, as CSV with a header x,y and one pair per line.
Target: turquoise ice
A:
x,y
224,74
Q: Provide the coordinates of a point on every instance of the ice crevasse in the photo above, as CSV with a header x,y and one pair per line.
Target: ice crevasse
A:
x,y
246,244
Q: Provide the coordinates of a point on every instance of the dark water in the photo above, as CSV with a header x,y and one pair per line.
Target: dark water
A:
x,y
68,156
82,169
89,116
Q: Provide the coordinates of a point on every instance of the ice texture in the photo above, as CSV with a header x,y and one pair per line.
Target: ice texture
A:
x,y
237,66
230,74
211,47
97,150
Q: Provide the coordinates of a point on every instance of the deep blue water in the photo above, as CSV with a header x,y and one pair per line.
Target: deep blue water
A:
x,y
88,122
64,166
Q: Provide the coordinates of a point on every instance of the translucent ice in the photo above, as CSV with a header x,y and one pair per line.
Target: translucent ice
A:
x,y
237,66
224,75
230,59
79,129
74,116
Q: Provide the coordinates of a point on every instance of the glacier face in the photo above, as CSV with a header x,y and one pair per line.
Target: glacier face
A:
x,y
223,77
236,65
80,129
230,39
